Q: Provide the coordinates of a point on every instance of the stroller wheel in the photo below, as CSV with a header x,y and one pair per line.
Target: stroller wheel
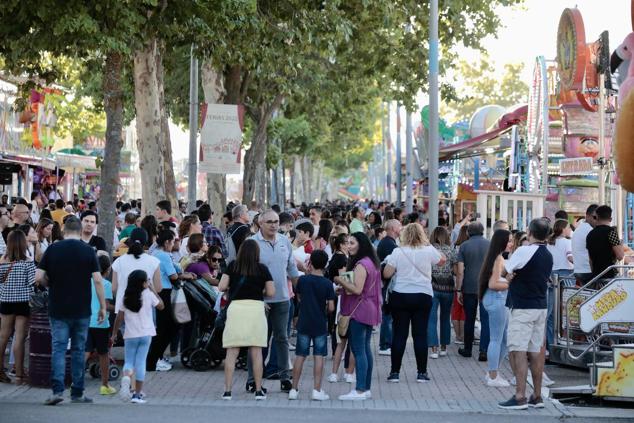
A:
x,y
186,357
215,363
94,370
241,363
113,372
200,360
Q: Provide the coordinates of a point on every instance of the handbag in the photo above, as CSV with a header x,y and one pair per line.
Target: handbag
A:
x,y
180,309
38,300
221,319
343,323
6,275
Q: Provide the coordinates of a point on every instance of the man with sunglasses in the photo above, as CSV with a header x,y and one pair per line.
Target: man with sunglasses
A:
x,y
18,216
4,222
580,255
276,253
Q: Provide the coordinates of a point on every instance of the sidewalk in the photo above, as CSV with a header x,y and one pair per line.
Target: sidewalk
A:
x,y
457,385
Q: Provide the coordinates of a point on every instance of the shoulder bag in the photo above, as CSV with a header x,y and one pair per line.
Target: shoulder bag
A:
x,y
6,275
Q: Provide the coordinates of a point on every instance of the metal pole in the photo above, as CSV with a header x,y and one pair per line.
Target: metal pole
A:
x,y
545,126
432,175
399,185
388,142
409,194
192,168
602,158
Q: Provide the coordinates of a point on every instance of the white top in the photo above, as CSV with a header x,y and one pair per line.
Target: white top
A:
x,y
300,255
520,257
561,251
127,264
141,323
413,269
183,251
579,250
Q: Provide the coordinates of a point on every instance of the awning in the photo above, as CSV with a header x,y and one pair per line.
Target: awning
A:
x,y
75,161
477,146
45,162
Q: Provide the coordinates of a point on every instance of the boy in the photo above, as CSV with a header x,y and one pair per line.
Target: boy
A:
x,y
316,294
99,333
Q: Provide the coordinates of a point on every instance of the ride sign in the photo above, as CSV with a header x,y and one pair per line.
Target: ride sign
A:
x,y
612,304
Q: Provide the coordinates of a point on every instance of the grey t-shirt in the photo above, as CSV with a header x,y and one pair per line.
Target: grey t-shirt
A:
x,y
472,253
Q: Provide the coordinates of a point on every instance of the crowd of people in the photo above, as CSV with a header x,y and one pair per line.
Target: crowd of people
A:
x,y
336,271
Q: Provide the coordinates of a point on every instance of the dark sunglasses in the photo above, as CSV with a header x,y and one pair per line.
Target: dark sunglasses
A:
x,y
216,259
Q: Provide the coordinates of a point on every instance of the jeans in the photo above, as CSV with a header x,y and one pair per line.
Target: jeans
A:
x,y
136,350
166,329
278,328
550,301
77,331
360,336
271,367
406,309
320,345
495,304
470,302
442,300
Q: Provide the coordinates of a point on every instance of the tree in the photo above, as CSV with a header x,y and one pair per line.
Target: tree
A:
x,y
480,86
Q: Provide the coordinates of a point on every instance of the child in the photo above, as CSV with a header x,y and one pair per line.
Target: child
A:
x,y
315,292
136,311
99,333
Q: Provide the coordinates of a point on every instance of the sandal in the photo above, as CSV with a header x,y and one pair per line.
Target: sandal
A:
x,y
4,378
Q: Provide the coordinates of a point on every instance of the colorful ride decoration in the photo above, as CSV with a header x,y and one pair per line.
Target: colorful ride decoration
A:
x,y
39,118
624,145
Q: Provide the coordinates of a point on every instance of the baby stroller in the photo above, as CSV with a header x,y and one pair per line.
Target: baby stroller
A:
x,y
95,370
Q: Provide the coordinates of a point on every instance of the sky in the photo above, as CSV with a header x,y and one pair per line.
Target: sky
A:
x,y
527,31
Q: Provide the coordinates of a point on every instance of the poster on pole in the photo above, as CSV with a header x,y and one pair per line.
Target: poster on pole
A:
x,y
221,138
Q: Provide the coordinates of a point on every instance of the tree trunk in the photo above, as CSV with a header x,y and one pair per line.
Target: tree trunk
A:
x,y
292,176
113,105
166,143
148,126
320,171
213,89
305,179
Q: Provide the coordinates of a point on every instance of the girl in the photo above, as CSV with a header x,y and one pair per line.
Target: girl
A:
x,y
33,246
17,277
560,247
189,226
44,235
247,282
493,289
361,302
323,235
138,301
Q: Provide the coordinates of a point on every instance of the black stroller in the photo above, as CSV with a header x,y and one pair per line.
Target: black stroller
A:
x,y
205,351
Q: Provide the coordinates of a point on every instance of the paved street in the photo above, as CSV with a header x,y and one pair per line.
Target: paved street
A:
x,y
456,389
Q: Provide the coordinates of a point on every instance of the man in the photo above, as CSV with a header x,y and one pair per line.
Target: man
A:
x,y
286,223
276,253
384,249
356,225
470,258
59,213
254,210
164,212
398,214
501,224
125,209
604,244
5,201
227,220
130,224
580,256
19,216
67,268
89,221
528,272
314,214
4,222
213,236
238,232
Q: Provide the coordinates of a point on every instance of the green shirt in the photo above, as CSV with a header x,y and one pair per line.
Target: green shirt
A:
x,y
356,226
125,233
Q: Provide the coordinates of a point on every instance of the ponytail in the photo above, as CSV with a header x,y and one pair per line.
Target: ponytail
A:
x,y
136,248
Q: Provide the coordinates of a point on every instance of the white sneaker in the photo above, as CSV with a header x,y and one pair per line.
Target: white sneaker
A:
x,y
387,351
163,366
293,394
291,347
368,394
320,396
498,382
546,381
332,378
433,355
349,378
124,391
443,353
513,381
353,396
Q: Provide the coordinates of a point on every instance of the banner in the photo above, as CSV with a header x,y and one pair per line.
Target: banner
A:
x,y
221,138
612,304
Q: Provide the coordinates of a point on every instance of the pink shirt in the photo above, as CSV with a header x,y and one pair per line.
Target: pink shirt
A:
x,y
141,323
369,310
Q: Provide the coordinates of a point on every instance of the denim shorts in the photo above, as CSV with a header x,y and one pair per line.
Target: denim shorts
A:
x,y
320,345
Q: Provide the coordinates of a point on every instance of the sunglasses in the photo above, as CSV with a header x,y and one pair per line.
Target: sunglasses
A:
x,y
216,259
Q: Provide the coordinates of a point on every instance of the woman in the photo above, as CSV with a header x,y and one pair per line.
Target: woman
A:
x,y
207,267
247,282
56,232
336,231
560,247
323,235
374,220
33,246
166,327
338,261
443,285
411,296
519,240
44,232
361,302
457,310
196,250
150,224
17,277
189,226
493,289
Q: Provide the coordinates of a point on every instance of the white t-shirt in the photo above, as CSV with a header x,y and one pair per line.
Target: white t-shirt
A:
x,y
560,251
300,255
182,250
413,269
127,264
579,249
141,323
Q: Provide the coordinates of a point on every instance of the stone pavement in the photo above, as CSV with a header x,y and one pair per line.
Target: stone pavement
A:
x,y
457,386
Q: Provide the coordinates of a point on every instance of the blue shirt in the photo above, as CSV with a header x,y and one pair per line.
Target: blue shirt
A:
x,y
314,292
94,305
166,266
